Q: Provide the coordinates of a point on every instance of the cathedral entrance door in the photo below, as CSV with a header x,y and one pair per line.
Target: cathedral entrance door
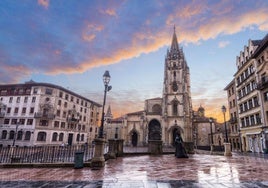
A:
x,y
134,139
154,130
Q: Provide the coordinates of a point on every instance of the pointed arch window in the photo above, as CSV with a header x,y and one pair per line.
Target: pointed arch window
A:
x,y
175,108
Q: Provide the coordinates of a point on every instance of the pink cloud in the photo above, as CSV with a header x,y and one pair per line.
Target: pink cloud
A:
x,y
44,3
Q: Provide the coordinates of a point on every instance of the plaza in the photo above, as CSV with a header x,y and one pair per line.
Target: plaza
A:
x,y
199,170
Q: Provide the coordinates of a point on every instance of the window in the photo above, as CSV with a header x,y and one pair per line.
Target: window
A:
x,y
22,121
83,127
16,110
265,95
43,122
65,105
72,98
61,137
27,135
6,121
82,137
23,110
4,134
11,135
258,119
56,124
8,110
25,99
49,91
256,103
66,96
62,125
18,99
60,94
58,113
29,121
33,99
175,108
252,120
59,102
35,90
14,121
10,99
64,115
32,110
78,137
77,101
54,137
19,136
41,136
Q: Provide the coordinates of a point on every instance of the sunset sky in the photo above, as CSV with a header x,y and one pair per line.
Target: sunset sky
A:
x,y
71,43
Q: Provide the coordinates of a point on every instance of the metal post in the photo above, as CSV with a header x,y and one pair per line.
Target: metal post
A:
x,y
226,135
211,135
15,135
102,117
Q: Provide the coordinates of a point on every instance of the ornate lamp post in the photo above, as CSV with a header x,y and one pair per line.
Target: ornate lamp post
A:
x,y
223,109
211,135
227,145
15,135
98,160
106,80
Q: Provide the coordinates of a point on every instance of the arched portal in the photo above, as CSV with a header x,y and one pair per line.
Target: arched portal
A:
x,y
155,132
134,138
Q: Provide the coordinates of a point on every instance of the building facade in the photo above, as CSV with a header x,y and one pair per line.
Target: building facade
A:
x,y
251,91
233,126
162,117
35,114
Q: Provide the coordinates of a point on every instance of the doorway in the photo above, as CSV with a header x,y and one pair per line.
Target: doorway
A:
x,y
155,132
134,139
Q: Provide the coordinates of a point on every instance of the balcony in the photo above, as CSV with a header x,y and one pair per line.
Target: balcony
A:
x,y
263,84
40,115
72,120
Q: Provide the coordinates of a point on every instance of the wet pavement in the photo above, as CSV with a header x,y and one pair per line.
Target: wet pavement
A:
x,y
148,171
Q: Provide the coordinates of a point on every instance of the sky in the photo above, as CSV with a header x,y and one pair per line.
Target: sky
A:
x,y
72,43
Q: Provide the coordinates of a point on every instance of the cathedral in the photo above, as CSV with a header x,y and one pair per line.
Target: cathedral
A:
x,y
162,117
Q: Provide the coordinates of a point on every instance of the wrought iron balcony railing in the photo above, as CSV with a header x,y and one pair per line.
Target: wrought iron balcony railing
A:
x,y
40,115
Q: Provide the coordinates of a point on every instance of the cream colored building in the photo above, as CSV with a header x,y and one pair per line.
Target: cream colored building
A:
x,y
250,93
45,114
233,126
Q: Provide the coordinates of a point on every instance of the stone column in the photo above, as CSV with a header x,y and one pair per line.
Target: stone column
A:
x,y
227,149
98,160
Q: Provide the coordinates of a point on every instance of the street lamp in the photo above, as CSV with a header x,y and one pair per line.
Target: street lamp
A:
x,y
15,136
106,80
211,136
223,109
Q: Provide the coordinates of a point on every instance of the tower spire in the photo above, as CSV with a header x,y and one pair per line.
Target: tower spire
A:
x,y
174,43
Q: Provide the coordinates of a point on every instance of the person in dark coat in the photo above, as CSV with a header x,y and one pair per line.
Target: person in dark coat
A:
x,y
180,150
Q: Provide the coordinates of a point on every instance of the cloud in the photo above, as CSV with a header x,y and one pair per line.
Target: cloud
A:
x,y
223,44
85,36
44,3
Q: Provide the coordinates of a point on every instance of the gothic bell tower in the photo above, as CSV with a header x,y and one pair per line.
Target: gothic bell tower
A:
x,y
177,103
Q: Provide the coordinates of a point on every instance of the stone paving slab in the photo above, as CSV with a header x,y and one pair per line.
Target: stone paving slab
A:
x,y
129,184
148,171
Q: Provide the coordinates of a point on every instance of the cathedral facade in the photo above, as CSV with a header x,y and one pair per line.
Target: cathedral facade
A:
x,y
162,117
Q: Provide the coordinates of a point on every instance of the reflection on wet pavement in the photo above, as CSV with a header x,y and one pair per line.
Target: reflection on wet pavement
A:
x,y
150,171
